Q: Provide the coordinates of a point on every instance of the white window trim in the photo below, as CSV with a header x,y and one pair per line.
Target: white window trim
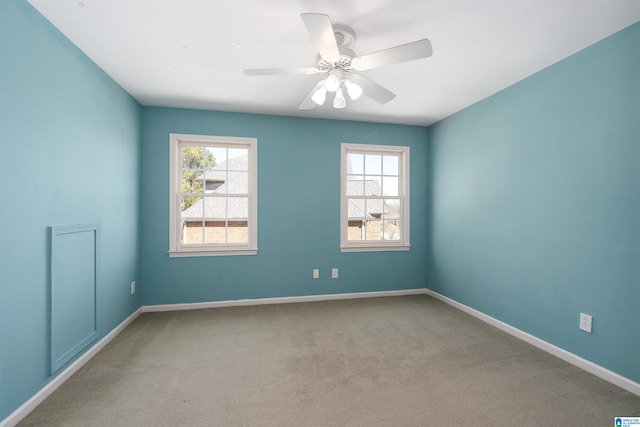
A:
x,y
376,245
175,158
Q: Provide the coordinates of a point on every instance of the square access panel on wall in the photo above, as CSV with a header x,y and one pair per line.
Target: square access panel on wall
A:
x,y
74,276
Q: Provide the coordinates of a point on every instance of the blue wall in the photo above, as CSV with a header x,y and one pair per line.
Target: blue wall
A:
x,y
298,211
524,206
70,153
536,204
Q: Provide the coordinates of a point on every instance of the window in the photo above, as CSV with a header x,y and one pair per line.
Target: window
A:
x,y
374,198
214,194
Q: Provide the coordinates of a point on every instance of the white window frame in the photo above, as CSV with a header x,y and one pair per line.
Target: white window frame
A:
x,y
175,186
403,244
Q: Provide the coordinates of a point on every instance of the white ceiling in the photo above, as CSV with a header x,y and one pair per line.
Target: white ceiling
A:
x,y
191,53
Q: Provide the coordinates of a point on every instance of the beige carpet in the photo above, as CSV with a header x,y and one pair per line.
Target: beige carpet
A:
x,y
402,361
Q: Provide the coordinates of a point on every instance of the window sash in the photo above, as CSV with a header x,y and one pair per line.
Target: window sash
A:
x,y
361,172
177,247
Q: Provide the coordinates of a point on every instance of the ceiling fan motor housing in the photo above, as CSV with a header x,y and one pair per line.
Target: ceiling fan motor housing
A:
x,y
345,38
346,55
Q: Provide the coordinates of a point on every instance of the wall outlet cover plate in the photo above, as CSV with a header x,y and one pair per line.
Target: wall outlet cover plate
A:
x,y
585,322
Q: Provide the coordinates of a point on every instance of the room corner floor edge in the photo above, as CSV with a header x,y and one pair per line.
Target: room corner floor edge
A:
x,y
584,364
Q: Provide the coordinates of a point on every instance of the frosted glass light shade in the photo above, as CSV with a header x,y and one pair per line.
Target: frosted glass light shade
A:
x,y
332,83
339,101
319,96
353,89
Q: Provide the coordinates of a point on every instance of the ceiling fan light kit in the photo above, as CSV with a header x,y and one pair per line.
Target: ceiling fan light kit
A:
x,y
336,60
354,91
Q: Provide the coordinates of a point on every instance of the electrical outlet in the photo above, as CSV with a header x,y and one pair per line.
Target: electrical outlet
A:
x,y
585,322
334,273
316,273
133,287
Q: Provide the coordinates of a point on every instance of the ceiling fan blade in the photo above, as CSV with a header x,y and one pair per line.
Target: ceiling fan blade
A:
x,y
309,103
273,71
373,90
321,32
406,52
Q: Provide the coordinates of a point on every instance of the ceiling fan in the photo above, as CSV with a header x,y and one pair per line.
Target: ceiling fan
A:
x,y
339,64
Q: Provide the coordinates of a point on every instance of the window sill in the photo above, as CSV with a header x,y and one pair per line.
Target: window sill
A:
x,y
199,253
379,248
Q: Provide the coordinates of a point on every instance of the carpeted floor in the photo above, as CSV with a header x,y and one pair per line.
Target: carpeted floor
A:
x,y
400,361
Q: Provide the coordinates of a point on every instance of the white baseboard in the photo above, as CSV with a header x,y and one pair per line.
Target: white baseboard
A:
x,y
24,410
282,300
578,361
